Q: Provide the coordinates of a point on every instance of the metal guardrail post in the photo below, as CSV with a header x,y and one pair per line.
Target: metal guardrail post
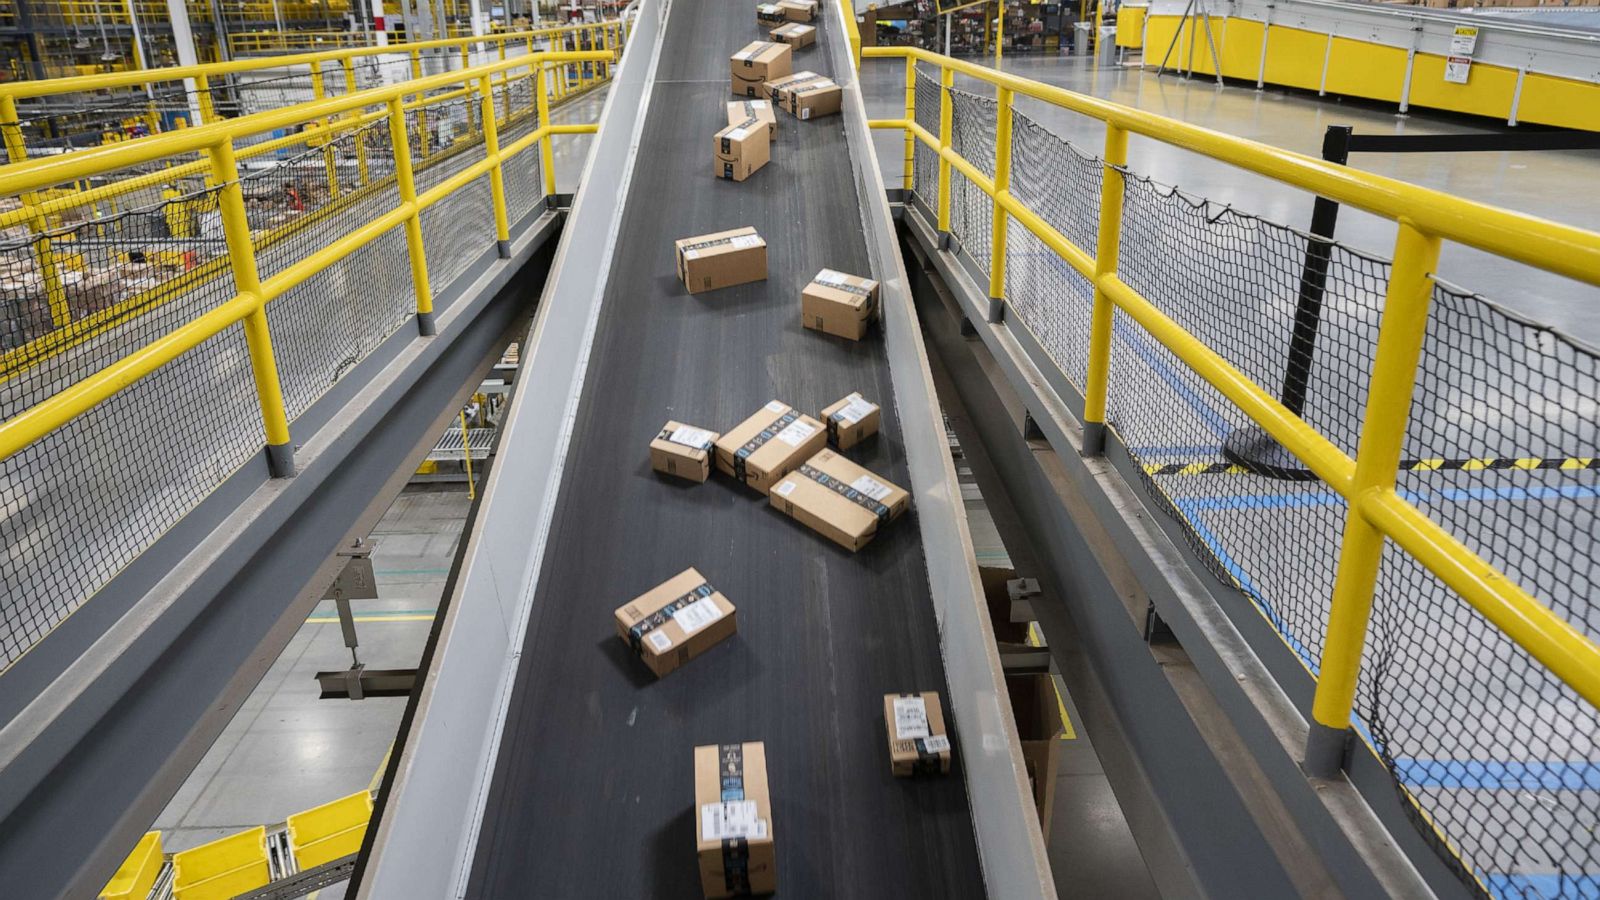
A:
x,y
505,85
547,157
202,90
497,180
50,276
909,169
319,91
422,112
257,334
999,219
947,78
350,87
466,63
1383,433
405,179
1107,243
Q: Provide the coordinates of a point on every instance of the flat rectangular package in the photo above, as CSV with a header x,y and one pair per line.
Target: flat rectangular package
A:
x,y
770,14
683,450
778,88
918,743
795,35
733,820
710,261
815,99
851,420
758,63
839,500
675,621
839,304
738,151
766,446
760,109
799,10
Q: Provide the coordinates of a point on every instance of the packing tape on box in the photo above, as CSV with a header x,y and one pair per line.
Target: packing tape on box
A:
x,y
754,444
841,282
738,240
737,133
735,851
748,55
664,615
849,492
928,761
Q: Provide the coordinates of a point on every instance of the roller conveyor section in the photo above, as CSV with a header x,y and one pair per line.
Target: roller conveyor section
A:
x,y
592,792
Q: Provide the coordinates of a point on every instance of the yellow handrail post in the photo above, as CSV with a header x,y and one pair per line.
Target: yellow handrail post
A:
x,y
319,91
947,78
350,87
49,275
202,90
505,85
406,181
257,334
422,111
547,156
911,116
1106,246
1383,433
466,456
497,181
466,63
1002,189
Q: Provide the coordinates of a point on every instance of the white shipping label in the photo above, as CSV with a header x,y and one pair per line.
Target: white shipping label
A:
x,y
785,489
939,743
796,433
660,641
875,489
910,718
738,134
746,241
734,819
691,254
758,104
697,615
805,113
689,436
777,407
832,279
857,409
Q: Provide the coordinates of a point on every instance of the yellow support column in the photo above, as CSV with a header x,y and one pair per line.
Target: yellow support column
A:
x,y
947,78
547,157
1105,266
422,112
319,90
350,87
466,63
497,180
49,274
911,116
466,456
406,181
505,87
247,279
605,44
202,90
1383,433
1002,187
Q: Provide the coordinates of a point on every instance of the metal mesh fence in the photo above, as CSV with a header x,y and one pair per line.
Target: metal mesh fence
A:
x,y
1493,756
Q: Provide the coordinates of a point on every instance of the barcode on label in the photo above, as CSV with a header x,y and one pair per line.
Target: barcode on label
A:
x,y
857,409
660,641
697,615
785,489
875,489
796,433
689,436
910,718
939,743
735,819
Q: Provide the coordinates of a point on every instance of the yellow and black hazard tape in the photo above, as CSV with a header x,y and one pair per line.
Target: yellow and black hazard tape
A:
x,y
1436,464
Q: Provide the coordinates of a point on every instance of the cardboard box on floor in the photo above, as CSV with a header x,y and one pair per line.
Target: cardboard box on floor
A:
x,y
815,99
839,304
760,109
918,742
739,150
839,500
770,14
766,446
683,450
997,597
733,820
758,63
723,259
851,420
778,88
799,10
795,35
1038,714
675,621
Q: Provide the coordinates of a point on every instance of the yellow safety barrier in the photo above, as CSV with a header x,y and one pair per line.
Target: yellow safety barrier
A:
x,y
138,872
223,868
1376,511
331,831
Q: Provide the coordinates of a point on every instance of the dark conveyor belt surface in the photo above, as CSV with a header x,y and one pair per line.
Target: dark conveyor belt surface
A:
x,y
593,789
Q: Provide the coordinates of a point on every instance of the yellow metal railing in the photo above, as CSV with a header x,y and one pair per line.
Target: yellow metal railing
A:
x,y
217,143
1376,511
286,41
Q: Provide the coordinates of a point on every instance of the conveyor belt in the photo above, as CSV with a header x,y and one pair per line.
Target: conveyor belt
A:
x,y
593,787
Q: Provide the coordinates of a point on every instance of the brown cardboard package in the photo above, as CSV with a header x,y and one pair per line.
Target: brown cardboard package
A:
x,y
839,304
739,150
799,10
795,35
766,446
815,99
758,63
724,259
918,743
851,420
838,499
733,820
770,14
759,109
675,621
778,88
683,450
1038,712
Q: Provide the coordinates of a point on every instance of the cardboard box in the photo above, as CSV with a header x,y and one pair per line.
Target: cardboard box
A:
x,y
770,14
851,420
760,109
795,35
733,820
918,742
765,447
720,260
758,63
1038,713
778,88
839,304
675,621
839,500
799,10
739,150
683,450
815,99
